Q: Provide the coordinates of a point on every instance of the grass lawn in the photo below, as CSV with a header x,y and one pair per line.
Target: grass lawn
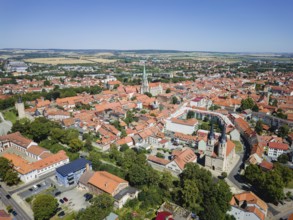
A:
x,y
10,116
238,146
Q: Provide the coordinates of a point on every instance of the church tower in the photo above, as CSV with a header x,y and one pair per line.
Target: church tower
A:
x,y
19,105
145,84
211,141
223,143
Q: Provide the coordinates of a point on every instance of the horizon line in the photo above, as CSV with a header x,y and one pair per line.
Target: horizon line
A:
x,y
175,50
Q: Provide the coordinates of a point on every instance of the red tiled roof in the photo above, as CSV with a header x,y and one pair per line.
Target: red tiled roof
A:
x,y
279,146
267,165
158,160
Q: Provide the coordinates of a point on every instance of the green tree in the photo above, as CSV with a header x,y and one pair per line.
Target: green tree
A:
x,y
166,181
168,90
75,145
190,114
100,208
88,144
69,135
224,175
11,178
283,158
5,165
190,195
124,147
283,131
211,194
160,155
259,127
247,103
255,108
148,94
47,83
174,100
44,207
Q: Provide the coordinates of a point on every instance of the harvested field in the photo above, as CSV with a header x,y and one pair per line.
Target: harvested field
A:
x,y
65,60
58,60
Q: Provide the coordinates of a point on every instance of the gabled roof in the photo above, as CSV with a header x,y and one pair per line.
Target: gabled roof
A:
x,y
183,156
36,150
16,138
105,181
278,146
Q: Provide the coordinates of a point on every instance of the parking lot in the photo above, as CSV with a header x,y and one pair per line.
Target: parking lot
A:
x,y
35,189
76,200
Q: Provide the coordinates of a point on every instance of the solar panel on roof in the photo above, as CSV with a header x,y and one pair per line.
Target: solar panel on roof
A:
x,y
73,166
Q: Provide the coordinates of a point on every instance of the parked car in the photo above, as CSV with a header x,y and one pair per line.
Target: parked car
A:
x,y
61,201
58,209
61,214
8,196
57,193
31,189
65,199
39,185
88,196
14,213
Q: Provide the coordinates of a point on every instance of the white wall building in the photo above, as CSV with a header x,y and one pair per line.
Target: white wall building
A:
x,y
182,126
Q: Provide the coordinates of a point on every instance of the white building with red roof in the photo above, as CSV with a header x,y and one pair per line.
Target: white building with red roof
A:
x,y
276,149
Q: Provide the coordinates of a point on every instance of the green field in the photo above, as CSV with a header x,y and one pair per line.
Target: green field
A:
x,y
10,116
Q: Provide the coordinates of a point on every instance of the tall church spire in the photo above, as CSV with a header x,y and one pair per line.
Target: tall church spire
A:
x,y
145,84
211,134
223,137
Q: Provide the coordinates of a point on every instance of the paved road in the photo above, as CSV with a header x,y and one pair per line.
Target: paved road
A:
x,y
233,176
41,178
21,215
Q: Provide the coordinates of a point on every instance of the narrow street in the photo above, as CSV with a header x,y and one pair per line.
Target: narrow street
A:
x,y
21,215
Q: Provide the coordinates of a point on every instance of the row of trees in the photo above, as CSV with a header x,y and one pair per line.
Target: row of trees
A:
x,y
270,184
56,93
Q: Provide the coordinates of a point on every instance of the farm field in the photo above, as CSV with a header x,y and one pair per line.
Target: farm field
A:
x,y
65,60
57,60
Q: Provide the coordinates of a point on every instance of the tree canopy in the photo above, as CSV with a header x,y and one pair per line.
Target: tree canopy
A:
x,y
247,103
272,181
258,127
44,207
100,207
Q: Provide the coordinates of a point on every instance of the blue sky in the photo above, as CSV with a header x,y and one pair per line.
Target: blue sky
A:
x,y
200,25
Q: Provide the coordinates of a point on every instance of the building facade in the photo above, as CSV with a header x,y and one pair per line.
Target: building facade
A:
x,y
69,174
219,153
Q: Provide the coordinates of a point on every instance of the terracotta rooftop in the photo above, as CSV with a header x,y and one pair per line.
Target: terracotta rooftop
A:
x,y
250,198
278,146
20,165
189,122
36,150
50,160
158,160
267,165
106,181
16,138
183,156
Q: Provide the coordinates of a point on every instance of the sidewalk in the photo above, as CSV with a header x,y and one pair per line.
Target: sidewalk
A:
x,y
23,204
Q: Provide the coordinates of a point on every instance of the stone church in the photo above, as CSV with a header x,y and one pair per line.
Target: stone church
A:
x,y
219,153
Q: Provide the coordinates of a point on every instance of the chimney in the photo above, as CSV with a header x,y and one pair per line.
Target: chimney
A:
x,y
87,167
